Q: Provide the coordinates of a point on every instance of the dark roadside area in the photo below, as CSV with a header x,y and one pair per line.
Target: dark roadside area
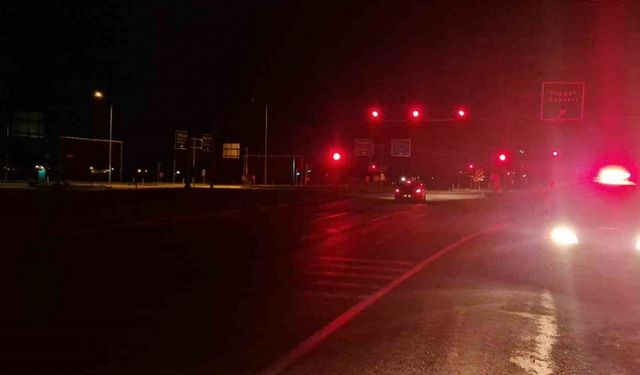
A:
x,y
224,292
43,209
73,282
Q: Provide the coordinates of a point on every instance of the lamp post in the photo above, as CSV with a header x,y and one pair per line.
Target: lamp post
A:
x,y
266,126
99,95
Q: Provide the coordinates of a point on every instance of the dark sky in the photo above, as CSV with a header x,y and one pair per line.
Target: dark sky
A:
x,y
212,65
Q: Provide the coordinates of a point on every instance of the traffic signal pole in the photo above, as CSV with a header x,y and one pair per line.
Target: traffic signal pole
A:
x,y
266,128
6,155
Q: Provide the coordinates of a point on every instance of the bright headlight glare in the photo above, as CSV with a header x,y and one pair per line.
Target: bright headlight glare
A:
x,y
565,236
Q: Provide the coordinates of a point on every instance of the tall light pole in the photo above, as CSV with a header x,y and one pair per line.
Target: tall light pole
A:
x,y
100,95
266,127
6,155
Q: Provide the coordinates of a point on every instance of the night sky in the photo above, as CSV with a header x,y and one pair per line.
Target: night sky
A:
x,y
210,66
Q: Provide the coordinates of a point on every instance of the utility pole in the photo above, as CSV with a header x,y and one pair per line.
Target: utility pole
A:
x,y
6,155
304,176
245,167
110,137
121,166
174,166
266,127
293,167
193,161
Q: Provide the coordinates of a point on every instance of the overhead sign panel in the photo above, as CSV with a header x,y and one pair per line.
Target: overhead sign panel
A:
x,y
562,101
401,148
231,150
181,140
363,147
207,142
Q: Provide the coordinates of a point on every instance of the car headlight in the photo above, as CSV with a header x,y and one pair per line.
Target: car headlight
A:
x,y
565,236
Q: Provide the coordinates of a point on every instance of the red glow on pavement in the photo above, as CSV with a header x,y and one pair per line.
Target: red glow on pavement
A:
x,y
319,336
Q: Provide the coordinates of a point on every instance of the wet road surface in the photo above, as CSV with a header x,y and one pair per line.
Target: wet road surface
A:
x,y
238,291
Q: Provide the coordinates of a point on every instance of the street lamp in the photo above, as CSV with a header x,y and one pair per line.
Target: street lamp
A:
x,y
99,95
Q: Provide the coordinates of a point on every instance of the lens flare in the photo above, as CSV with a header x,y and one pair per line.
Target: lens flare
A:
x,y
563,236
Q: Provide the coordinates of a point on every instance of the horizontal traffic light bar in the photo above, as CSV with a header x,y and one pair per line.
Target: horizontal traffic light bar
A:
x,y
416,114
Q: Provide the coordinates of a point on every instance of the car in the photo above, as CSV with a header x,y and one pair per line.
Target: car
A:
x,y
601,212
411,189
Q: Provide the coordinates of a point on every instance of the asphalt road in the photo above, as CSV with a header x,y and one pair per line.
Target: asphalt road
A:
x,y
351,286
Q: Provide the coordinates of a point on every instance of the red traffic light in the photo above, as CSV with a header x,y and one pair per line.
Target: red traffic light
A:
x,y
555,153
375,114
461,113
502,157
336,156
471,166
373,166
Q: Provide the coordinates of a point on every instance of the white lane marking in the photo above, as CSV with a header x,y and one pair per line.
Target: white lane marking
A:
x,y
319,336
349,275
372,261
539,361
333,216
357,267
333,295
344,285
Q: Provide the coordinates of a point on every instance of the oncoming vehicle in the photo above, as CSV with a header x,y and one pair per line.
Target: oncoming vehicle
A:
x,y
602,212
412,189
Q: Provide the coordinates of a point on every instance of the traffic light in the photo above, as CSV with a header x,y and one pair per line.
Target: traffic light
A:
x,y
502,157
471,166
461,113
375,114
555,153
415,114
336,156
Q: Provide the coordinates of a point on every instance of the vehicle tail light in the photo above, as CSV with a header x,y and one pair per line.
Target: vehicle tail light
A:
x,y
397,190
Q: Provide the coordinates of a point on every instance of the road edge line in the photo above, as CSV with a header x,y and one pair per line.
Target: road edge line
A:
x,y
320,335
